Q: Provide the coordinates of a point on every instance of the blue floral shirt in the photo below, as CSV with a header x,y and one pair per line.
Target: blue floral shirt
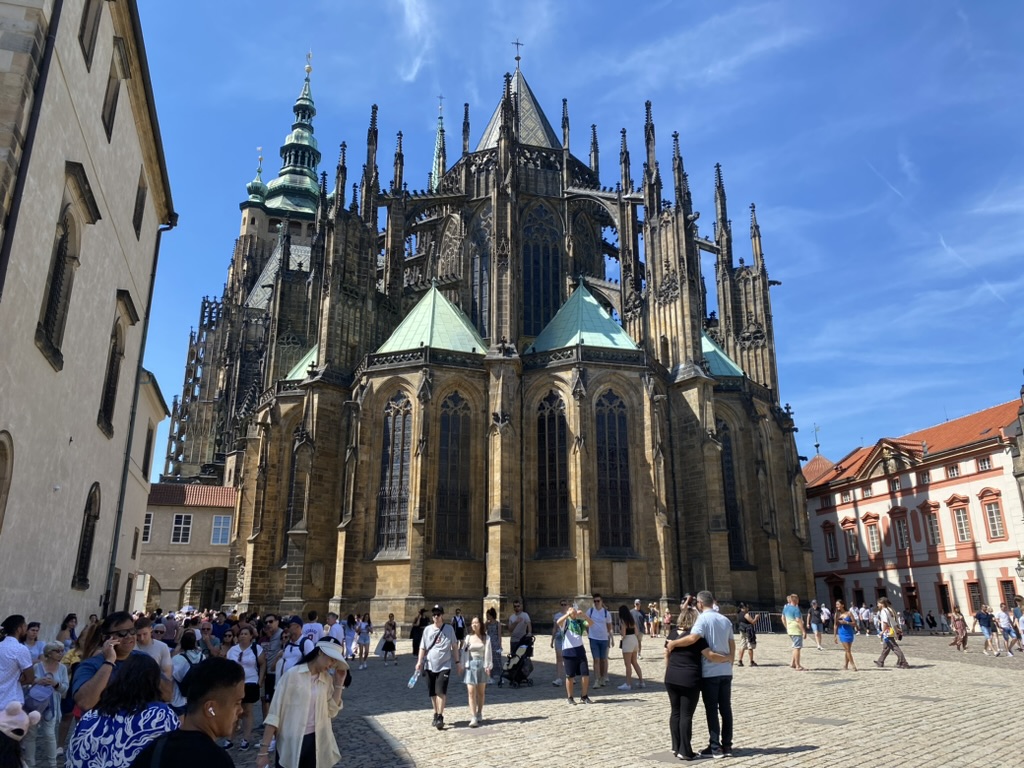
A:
x,y
114,741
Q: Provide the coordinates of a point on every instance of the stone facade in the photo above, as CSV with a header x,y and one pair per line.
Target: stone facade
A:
x,y
930,520
84,188
543,461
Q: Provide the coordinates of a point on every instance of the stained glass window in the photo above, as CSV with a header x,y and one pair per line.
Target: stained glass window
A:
x,y
453,482
614,502
553,474
393,494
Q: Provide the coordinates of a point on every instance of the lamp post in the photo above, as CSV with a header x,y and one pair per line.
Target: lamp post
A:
x,y
1020,568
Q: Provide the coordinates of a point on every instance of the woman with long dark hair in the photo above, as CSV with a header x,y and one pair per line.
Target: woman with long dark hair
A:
x,y
629,645
682,681
306,699
845,631
68,631
479,660
129,715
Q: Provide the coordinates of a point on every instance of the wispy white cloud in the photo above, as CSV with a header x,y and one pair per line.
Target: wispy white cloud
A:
x,y
418,32
885,180
907,167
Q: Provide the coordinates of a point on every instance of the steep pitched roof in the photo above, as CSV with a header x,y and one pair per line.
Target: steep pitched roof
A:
x,y
582,320
191,495
435,322
299,258
300,369
719,363
534,127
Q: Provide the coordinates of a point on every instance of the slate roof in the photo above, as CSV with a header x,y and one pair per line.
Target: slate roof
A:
x,y
191,495
719,363
435,322
534,127
582,320
259,297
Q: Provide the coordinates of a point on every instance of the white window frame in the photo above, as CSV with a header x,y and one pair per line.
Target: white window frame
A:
x,y
901,533
953,470
895,484
181,530
994,513
847,497
831,549
852,542
931,526
221,525
874,540
147,528
868,492
963,524
984,464
923,478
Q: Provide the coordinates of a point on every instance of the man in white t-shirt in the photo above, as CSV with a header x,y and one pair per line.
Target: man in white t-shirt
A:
x,y
1005,621
149,645
557,637
15,661
519,626
295,647
599,632
313,629
334,628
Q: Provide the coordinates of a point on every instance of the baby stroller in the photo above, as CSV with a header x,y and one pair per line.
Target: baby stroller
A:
x,y
518,664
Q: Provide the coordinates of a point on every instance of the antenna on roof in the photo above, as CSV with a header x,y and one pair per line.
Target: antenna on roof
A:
x,y
817,444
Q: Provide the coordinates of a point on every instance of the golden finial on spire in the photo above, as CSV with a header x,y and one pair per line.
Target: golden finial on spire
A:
x,y
259,152
309,58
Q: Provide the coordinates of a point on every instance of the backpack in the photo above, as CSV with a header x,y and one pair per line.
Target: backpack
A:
x,y
186,679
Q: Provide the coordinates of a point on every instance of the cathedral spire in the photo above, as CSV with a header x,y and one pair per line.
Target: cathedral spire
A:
x,y
649,137
440,153
368,201
627,181
340,178
678,171
595,161
565,123
298,181
721,212
396,182
256,188
465,128
755,238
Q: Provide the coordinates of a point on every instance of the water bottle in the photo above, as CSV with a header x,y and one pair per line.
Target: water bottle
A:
x,y
414,678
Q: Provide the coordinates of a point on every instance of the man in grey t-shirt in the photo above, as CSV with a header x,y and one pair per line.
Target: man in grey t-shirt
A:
x,y
437,649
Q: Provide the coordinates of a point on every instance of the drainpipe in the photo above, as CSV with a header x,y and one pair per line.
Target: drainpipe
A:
x,y
119,515
30,139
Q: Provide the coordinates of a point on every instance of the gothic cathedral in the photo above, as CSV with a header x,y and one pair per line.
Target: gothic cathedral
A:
x,y
515,388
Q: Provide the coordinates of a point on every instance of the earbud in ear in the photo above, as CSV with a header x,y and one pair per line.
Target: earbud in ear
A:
x,y
210,710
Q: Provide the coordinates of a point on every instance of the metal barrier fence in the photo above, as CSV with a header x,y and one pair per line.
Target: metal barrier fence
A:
x,y
769,623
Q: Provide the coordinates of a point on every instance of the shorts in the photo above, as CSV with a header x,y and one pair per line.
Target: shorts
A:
x,y
437,682
629,643
816,629
575,661
797,640
987,632
748,642
269,681
252,693
363,640
598,649
1009,634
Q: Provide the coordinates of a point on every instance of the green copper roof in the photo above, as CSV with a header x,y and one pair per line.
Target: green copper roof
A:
x,y
534,127
435,322
301,368
719,363
581,320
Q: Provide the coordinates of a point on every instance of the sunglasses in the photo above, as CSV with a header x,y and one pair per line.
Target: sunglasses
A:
x,y
563,604
122,633
206,629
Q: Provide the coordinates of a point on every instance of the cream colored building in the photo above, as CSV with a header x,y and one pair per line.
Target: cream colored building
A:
x,y
85,196
930,520
186,535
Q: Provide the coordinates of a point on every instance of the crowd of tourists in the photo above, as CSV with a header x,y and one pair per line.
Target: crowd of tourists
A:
x,y
150,690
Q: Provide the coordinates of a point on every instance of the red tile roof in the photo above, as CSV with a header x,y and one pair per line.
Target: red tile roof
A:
x,y
191,495
816,467
958,433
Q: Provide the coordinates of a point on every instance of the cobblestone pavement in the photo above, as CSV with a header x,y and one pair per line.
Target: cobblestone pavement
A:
x,y
930,715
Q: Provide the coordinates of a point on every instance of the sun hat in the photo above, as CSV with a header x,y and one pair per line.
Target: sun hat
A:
x,y
335,651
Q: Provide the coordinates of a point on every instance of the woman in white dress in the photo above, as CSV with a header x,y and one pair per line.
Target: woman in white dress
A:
x,y
479,660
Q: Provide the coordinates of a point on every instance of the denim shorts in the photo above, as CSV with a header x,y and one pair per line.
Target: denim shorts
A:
x,y
987,632
598,649
798,641
1009,634
816,628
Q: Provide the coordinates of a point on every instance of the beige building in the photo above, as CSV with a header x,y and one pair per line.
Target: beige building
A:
x,y
930,520
186,535
85,196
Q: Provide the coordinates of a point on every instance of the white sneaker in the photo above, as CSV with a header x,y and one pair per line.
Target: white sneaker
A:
x,y
625,687
1009,652
474,723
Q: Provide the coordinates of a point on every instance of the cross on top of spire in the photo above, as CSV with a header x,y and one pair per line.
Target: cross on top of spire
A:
x,y
518,45
440,103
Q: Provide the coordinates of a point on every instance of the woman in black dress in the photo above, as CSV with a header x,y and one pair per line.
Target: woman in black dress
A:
x,y
416,632
682,681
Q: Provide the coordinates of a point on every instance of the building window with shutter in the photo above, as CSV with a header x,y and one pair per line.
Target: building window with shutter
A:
x,y
115,354
140,204
86,539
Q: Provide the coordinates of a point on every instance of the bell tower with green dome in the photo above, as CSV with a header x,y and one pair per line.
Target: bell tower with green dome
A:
x,y
515,389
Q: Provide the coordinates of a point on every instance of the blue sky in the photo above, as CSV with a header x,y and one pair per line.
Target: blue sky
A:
x,y
881,142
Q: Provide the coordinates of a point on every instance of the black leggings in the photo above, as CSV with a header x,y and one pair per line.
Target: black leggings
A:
x,y
680,722
307,753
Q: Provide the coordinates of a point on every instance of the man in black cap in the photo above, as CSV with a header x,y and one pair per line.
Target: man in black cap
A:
x,y
437,649
297,646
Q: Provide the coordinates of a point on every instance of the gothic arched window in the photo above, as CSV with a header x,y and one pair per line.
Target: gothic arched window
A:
x,y
733,513
480,271
393,494
115,353
80,579
552,474
542,269
614,501
453,482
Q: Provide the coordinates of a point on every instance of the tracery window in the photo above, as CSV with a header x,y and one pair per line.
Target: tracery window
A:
x,y
453,483
552,474
480,271
733,513
614,501
87,537
542,269
393,494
